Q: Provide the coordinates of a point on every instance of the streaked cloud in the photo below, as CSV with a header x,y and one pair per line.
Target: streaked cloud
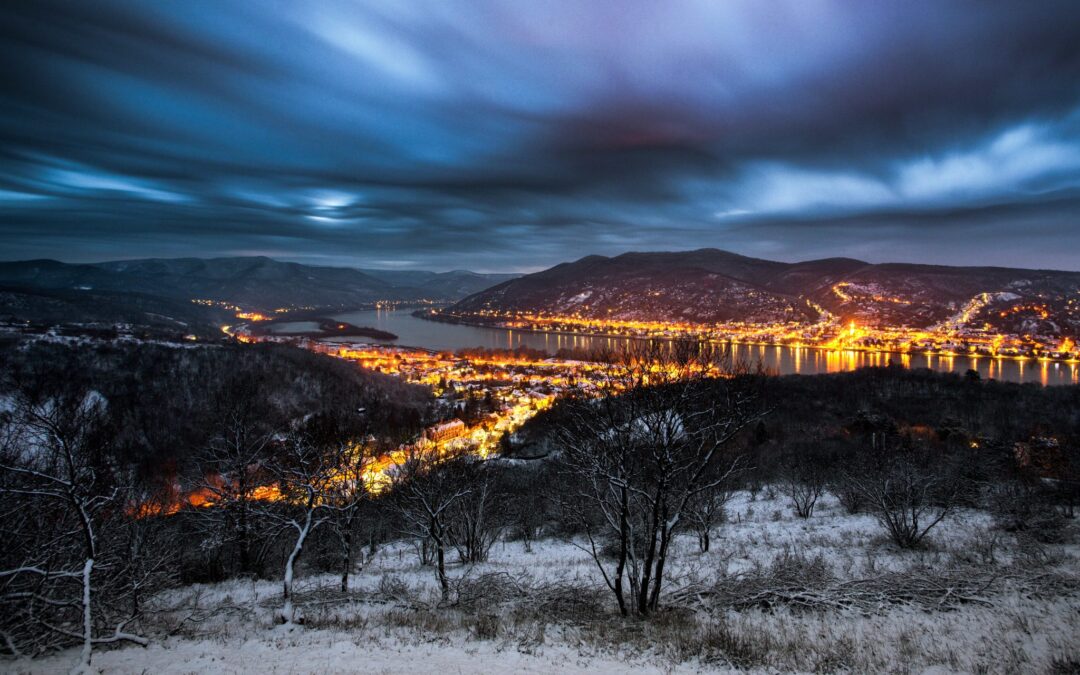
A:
x,y
511,135
1026,160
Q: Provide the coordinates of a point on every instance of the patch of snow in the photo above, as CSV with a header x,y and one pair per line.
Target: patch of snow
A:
x,y
1018,633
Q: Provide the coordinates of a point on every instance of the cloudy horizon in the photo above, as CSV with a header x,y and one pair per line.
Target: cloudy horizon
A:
x,y
511,136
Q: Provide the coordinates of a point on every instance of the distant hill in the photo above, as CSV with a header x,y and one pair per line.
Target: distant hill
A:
x,y
252,282
440,285
38,309
156,294
709,285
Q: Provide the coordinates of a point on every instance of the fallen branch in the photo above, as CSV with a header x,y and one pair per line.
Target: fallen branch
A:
x,y
925,588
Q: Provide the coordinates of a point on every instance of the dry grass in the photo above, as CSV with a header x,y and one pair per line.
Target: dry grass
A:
x,y
826,594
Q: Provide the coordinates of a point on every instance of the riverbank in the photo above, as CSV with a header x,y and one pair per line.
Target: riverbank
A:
x,y
428,315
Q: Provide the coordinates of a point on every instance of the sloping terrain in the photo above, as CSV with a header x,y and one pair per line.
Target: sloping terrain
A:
x,y
544,608
711,285
252,282
36,309
439,285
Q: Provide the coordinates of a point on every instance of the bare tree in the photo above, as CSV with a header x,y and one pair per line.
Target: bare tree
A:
x,y
424,490
637,456
350,491
146,542
232,476
526,501
908,496
474,524
307,476
70,580
848,494
707,509
805,477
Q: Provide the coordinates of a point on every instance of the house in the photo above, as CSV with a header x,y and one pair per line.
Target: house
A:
x,y
445,431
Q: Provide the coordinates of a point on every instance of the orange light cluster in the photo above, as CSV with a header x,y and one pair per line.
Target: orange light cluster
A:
x,y
520,386
1040,310
959,334
174,498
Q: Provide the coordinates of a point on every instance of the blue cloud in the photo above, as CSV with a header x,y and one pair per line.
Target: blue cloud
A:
x,y
514,134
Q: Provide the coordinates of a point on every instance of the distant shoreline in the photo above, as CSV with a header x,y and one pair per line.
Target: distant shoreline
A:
x,y
424,314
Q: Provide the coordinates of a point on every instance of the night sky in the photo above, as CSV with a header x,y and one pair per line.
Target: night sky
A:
x,y
513,135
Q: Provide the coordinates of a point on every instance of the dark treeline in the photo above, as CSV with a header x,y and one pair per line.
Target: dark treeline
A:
x,y
829,423
1004,410
910,446
942,407
168,402
907,446
102,442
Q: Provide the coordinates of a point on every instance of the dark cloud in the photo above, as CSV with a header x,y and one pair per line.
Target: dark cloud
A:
x,y
513,135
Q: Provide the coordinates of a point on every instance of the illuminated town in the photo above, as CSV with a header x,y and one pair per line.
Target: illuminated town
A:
x,y
487,395
484,396
510,388
967,332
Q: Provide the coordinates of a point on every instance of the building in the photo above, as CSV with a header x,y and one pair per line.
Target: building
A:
x,y
445,431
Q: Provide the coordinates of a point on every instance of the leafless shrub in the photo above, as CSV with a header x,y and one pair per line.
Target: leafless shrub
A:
x,y
981,546
908,495
848,494
392,585
705,511
1024,508
350,495
804,496
488,590
425,551
805,477
425,488
525,504
475,524
307,476
230,472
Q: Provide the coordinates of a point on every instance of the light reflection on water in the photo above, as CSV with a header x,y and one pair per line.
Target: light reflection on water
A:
x,y
414,332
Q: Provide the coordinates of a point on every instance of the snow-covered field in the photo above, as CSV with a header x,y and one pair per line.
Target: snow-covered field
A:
x,y
546,610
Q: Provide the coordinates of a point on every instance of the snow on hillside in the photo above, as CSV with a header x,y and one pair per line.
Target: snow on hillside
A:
x,y
390,622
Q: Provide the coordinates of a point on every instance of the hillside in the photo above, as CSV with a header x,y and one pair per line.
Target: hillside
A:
x,y
710,285
439,285
35,310
251,282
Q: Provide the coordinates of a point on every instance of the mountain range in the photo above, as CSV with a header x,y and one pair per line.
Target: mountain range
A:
x,y
710,285
702,286
158,292
255,282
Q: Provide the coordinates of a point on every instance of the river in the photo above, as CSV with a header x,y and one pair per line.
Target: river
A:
x,y
416,332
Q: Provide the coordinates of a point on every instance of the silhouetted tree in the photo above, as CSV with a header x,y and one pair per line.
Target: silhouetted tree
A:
x,y
635,458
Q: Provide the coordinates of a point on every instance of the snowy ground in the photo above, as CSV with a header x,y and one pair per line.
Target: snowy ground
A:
x,y
391,621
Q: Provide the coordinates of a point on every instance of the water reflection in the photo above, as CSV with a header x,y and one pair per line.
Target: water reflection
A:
x,y
415,332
